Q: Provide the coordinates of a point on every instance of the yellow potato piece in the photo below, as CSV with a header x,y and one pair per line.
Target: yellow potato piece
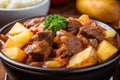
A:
x,y
19,40
16,29
84,17
15,53
106,50
82,59
52,64
56,63
110,33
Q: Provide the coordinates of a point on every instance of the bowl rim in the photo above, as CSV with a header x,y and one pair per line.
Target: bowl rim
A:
x,y
26,8
54,70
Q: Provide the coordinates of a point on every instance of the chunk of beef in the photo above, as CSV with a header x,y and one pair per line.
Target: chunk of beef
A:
x,y
74,45
73,26
33,22
39,50
45,35
92,32
93,42
84,40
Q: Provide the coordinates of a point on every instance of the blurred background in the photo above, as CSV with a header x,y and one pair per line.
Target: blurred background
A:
x,y
107,11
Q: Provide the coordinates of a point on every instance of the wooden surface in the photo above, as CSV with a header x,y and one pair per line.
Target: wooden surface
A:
x,y
68,8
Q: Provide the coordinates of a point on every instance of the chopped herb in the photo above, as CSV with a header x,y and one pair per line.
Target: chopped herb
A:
x,y
55,22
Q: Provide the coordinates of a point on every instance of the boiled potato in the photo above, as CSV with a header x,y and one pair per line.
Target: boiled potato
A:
x,y
15,53
105,50
16,29
84,17
19,40
110,33
56,63
52,64
82,59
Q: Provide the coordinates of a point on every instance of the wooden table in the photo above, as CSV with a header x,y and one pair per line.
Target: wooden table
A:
x,y
68,8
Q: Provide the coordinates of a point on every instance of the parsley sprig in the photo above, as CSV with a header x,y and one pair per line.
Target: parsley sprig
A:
x,y
55,22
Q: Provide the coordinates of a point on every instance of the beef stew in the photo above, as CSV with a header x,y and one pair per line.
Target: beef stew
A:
x,y
81,43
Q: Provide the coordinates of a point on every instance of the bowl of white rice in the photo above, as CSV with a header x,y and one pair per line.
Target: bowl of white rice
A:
x,y
11,10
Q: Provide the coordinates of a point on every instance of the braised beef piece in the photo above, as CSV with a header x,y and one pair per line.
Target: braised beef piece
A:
x,y
33,22
93,42
73,26
53,53
45,35
92,32
39,50
84,40
74,45
40,46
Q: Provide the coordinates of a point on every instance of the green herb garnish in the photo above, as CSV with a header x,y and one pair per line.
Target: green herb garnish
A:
x,y
55,22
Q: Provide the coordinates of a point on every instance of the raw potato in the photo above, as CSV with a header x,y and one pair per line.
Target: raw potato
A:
x,y
16,29
105,50
19,40
15,53
110,33
82,59
103,10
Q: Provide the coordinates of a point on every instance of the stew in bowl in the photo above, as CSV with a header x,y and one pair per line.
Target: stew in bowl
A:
x,y
58,42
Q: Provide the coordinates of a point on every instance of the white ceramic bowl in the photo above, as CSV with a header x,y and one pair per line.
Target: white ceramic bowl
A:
x,y
9,15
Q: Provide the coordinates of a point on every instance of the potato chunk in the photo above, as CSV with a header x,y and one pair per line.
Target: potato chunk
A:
x,y
52,64
82,59
105,50
15,53
56,63
19,40
110,33
16,29
84,17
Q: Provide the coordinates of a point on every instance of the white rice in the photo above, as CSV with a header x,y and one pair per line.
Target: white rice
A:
x,y
4,3
13,4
